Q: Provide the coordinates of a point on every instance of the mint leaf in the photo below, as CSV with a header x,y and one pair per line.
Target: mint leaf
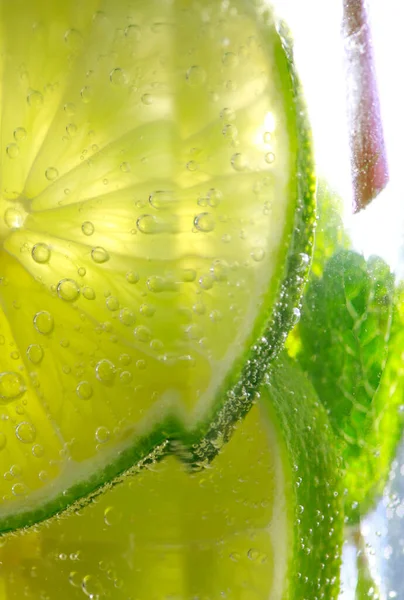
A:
x,y
349,334
330,233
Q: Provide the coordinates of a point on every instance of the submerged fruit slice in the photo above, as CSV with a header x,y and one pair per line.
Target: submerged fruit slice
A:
x,y
263,522
156,202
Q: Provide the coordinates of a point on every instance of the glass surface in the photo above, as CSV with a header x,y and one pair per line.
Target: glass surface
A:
x,y
165,533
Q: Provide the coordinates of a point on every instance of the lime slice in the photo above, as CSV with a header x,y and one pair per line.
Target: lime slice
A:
x,y
262,522
157,206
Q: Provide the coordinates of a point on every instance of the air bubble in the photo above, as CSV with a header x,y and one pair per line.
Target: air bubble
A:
x,y
43,322
13,218
214,197
19,489
84,390
267,137
35,99
35,353
204,222
230,131
68,290
73,39
253,554
20,134
227,114
147,99
69,109
133,32
127,317
161,199
37,450
258,254
132,277
105,371
142,333
118,77
91,587
86,94
12,386
195,75
147,224
99,255
125,167
41,253
125,377
51,173
111,516
81,271
12,150
269,158
230,59
88,293
25,432
192,165
71,129
238,162
87,228
112,303
206,282
102,435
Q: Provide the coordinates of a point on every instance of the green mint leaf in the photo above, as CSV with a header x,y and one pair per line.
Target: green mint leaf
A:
x,y
349,337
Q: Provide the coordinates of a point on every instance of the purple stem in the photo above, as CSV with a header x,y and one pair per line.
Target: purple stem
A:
x,y
368,154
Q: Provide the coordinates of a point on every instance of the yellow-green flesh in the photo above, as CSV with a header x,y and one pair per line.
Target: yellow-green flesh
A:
x,y
166,534
145,208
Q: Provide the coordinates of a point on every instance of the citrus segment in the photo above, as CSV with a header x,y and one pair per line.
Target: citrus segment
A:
x,y
156,201
247,529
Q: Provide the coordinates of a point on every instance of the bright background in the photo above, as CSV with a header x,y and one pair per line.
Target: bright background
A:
x,y
319,52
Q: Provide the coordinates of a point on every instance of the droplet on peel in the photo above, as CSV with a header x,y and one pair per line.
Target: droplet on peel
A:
x,y
41,253
12,386
68,290
25,432
43,322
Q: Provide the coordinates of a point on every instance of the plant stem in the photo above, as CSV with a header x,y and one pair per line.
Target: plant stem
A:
x,y
368,155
